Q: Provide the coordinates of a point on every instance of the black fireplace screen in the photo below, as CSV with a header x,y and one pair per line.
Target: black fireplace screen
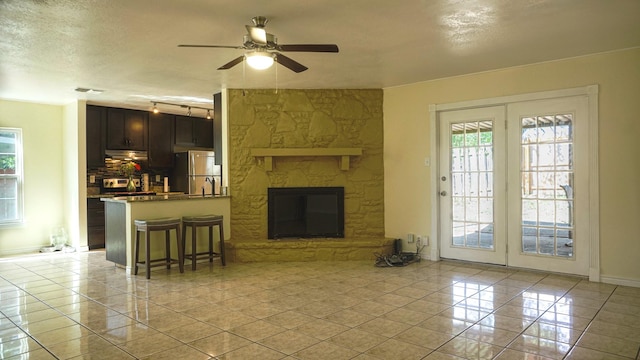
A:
x,y
306,212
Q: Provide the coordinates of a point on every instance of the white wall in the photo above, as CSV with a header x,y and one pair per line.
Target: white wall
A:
x,y
74,157
408,192
43,171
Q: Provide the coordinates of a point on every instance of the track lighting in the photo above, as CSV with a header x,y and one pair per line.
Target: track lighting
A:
x,y
189,108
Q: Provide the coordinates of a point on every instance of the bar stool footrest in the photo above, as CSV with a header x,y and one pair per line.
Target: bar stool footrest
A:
x,y
203,256
159,262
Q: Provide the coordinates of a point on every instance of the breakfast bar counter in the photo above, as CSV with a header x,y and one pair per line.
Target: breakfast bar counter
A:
x,y
120,213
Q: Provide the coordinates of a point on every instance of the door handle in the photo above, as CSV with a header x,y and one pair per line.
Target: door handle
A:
x,y
443,193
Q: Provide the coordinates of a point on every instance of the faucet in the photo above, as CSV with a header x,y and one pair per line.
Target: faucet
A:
x,y
213,184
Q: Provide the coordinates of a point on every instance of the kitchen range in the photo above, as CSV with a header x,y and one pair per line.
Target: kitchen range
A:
x,y
118,187
110,187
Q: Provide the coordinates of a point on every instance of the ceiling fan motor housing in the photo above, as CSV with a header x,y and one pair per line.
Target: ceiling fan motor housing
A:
x,y
272,42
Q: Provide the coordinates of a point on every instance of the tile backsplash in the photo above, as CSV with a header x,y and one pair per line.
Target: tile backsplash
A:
x,y
111,169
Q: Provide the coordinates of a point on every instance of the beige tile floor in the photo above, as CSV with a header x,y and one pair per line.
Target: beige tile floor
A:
x,y
77,306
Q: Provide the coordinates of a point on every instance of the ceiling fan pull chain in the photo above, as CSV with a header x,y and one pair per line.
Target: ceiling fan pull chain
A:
x,y
243,76
276,58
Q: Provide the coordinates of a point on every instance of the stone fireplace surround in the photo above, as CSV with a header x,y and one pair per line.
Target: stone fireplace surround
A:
x,y
315,120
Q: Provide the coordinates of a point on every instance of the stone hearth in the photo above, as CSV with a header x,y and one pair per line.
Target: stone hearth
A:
x,y
308,250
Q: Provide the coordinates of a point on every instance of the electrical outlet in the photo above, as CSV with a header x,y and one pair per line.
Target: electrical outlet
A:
x,y
411,238
422,240
158,178
92,179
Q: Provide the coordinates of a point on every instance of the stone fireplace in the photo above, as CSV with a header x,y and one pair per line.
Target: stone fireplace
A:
x,y
318,121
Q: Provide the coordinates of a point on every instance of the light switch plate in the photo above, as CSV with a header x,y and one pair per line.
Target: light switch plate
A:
x,y
157,178
92,179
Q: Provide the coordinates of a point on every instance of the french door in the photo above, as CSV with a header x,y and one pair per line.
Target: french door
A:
x,y
548,185
472,179
514,185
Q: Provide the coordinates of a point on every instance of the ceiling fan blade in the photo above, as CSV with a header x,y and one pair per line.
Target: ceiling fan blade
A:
x,y
211,46
309,47
232,63
290,63
257,34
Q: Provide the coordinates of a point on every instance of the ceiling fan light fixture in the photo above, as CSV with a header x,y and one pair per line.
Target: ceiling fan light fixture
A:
x,y
259,60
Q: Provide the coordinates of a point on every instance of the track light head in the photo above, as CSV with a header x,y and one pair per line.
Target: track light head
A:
x,y
209,116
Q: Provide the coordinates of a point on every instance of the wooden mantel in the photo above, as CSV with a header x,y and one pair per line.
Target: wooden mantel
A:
x,y
343,153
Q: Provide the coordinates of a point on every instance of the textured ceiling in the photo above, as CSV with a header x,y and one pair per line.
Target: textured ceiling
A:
x,y
129,47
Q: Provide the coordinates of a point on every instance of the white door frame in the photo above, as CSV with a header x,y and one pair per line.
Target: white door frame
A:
x,y
591,92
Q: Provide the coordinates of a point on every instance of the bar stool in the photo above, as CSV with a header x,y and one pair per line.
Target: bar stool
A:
x,y
166,225
194,222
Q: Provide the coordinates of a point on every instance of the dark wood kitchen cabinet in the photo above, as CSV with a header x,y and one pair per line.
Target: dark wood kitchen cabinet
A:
x,y
96,135
116,233
161,140
203,132
217,127
95,223
126,129
193,131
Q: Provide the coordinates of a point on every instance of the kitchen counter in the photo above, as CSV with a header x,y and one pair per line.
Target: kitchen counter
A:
x,y
158,197
100,196
122,211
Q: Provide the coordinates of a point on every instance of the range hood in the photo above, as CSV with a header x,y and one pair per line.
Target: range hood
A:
x,y
125,154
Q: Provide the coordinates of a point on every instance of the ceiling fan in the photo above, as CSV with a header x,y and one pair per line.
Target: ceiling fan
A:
x,y
263,49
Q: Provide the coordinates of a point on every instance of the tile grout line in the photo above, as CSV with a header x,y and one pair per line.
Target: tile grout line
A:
x,y
20,327
93,332
591,322
537,318
493,312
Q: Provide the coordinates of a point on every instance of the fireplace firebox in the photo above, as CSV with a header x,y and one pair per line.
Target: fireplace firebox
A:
x,y
306,212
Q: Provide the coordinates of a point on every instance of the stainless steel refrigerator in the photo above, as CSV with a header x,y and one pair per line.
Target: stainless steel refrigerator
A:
x,y
196,172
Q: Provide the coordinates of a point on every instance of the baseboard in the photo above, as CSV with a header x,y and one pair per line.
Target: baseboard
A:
x,y
620,281
34,250
22,251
